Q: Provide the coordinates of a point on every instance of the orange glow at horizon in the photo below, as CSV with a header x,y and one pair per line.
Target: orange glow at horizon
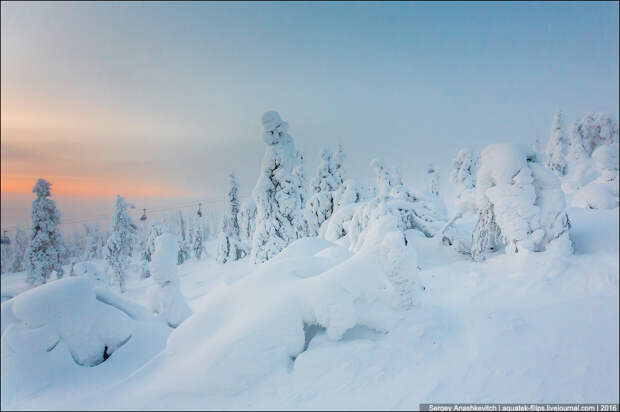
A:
x,y
90,187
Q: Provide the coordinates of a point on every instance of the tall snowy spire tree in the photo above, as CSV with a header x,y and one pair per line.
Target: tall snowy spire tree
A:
x,y
278,209
229,244
46,248
556,148
119,247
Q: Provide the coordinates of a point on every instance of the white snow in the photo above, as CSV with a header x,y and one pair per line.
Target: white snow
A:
x,y
319,327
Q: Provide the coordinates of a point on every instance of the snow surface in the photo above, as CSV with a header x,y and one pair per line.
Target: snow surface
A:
x,y
320,327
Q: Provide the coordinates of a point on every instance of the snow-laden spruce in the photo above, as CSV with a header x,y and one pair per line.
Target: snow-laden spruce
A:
x,y
229,244
119,247
46,247
19,250
181,230
196,236
165,296
278,208
463,177
338,165
93,242
557,146
6,256
247,223
304,226
323,184
520,203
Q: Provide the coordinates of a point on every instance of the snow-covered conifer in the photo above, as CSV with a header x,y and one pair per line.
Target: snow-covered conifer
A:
x,y
19,250
197,237
46,246
93,242
6,255
277,202
165,296
303,228
182,238
557,146
321,203
119,247
247,223
433,180
229,244
338,166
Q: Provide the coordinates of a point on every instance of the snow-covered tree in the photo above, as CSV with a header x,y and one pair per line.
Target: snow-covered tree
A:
x,y
303,228
119,247
247,223
596,129
463,177
229,244
184,247
395,201
6,255
197,234
19,250
93,242
321,203
338,166
278,209
46,246
165,298
518,200
557,146
433,180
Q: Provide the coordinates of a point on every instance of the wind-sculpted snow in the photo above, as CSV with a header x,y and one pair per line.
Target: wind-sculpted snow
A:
x,y
244,332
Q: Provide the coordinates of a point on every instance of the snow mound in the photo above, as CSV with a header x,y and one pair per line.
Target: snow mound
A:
x,y
66,310
594,196
241,333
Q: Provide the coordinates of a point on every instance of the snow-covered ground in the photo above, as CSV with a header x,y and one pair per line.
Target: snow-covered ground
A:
x,y
307,330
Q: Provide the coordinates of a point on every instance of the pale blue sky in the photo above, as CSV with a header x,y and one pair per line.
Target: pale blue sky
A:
x,y
172,93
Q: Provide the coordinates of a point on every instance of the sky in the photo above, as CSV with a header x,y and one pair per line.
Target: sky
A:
x,y
159,102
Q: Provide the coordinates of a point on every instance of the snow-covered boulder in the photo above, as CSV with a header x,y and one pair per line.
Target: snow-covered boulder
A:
x,y
165,297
